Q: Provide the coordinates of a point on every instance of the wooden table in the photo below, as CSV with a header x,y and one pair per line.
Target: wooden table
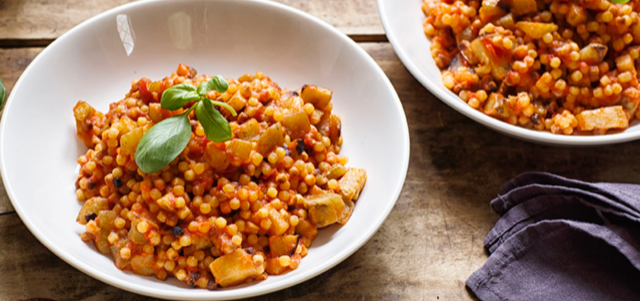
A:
x,y
430,243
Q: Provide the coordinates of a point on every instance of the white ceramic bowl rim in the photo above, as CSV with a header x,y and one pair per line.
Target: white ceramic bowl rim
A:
x,y
203,294
454,101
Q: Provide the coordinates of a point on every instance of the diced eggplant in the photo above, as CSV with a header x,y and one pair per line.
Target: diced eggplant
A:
x,y
237,102
296,124
270,139
273,267
307,229
134,235
491,9
324,209
625,63
82,111
522,7
283,244
293,102
495,105
536,30
593,53
106,218
352,183
126,125
496,56
92,207
129,141
577,14
142,265
336,171
349,205
279,224
217,158
603,119
234,268
248,130
317,96
240,148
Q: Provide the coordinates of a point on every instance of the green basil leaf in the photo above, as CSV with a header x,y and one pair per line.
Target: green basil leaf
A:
x,y
215,125
163,142
217,83
177,96
3,94
620,1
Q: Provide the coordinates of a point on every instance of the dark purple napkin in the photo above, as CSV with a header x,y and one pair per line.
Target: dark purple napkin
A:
x,y
562,239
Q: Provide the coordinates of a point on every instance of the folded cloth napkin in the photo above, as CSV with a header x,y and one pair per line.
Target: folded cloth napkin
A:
x,y
562,239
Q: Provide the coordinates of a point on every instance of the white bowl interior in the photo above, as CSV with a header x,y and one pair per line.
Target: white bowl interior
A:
x,y
403,21
96,62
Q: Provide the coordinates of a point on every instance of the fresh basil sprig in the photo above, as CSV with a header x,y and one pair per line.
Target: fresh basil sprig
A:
x,y
3,94
163,142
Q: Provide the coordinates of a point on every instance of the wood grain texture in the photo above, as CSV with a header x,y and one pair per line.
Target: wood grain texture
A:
x,y
24,22
13,62
431,241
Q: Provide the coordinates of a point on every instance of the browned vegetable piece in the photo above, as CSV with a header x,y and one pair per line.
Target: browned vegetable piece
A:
x,y
283,245
142,265
490,9
602,119
234,268
237,102
279,224
291,102
317,96
272,137
82,111
296,124
507,21
120,262
485,52
324,209
593,53
248,130
240,149
306,229
522,7
349,205
625,63
126,125
92,207
274,267
536,30
129,141
135,235
336,171
331,126
106,218
352,183
217,158
577,14
495,105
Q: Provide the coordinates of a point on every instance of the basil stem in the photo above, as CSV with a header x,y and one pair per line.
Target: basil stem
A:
x,y
3,94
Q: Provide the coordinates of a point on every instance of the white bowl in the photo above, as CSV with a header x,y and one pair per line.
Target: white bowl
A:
x,y
402,21
39,148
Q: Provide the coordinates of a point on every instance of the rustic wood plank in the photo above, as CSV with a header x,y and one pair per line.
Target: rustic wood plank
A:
x,y
425,250
25,22
14,61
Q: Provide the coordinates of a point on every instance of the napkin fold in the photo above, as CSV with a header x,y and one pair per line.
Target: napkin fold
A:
x,y
562,239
